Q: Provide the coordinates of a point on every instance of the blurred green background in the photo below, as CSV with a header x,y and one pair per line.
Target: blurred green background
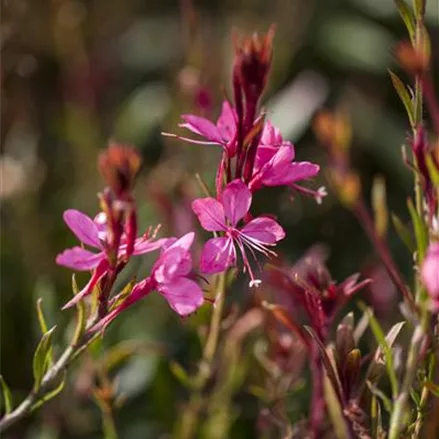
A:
x,y
77,73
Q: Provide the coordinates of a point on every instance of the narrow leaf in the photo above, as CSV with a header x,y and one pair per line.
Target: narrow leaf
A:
x,y
335,410
80,323
41,358
433,388
41,319
43,324
408,18
384,346
328,363
404,233
380,395
180,373
421,232
419,7
404,95
7,395
432,170
379,205
49,395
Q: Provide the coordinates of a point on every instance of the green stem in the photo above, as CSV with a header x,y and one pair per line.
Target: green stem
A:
x,y
50,379
189,419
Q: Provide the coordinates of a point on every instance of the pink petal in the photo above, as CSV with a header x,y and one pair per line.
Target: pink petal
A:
x,y
227,122
98,274
175,260
142,246
139,291
83,227
218,255
183,295
202,127
264,154
430,271
210,213
271,135
236,199
79,259
263,229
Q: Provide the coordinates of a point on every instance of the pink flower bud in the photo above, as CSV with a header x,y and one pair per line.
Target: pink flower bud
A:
x,y
430,271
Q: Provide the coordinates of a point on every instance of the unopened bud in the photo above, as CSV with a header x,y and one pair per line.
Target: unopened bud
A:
x,y
344,342
119,165
252,63
348,186
333,130
413,60
352,367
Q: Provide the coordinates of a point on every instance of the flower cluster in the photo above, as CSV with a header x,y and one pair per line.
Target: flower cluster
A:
x,y
254,155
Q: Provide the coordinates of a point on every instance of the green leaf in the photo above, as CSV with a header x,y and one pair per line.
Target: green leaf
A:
x,y
41,319
384,345
432,170
421,232
80,323
404,233
43,324
433,388
7,395
419,6
180,373
375,417
404,95
387,403
408,18
123,294
335,410
42,358
379,205
49,395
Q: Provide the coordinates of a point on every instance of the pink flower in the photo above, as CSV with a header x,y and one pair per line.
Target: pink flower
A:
x,y
274,163
215,216
93,233
430,272
223,133
169,276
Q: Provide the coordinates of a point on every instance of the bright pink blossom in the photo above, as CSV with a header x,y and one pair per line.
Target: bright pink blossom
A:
x,y
93,233
223,216
170,277
223,133
274,163
430,273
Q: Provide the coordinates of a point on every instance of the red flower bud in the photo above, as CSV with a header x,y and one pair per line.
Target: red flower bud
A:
x,y
119,165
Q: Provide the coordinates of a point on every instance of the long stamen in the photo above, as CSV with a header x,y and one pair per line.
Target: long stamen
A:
x,y
254,282
258,245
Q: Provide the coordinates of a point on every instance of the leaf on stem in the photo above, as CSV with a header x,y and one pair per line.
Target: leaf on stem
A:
x,y
408,18
49,395
335,410
43,325
421,232
180,373
385,343
404,233
387,403
404,95
41,359
6,396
